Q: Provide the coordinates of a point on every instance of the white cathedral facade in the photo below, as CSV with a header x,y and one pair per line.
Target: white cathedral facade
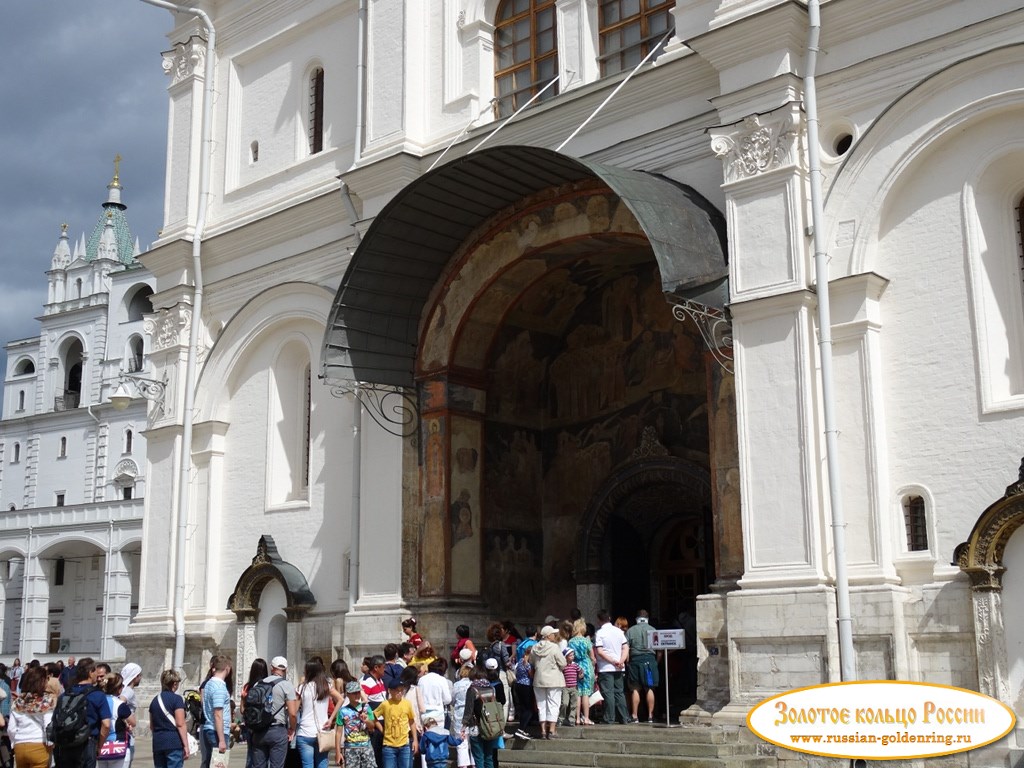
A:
x,y
72,468
574,241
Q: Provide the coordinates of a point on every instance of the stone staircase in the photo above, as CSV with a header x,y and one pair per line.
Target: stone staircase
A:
x,y
638,746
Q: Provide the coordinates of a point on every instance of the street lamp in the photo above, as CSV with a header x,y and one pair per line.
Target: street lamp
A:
x,y
152,390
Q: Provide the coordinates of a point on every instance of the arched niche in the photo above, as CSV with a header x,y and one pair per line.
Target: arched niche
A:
x,y
981,557
268,567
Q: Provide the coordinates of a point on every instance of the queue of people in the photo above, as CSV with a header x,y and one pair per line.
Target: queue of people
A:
x,y
407,705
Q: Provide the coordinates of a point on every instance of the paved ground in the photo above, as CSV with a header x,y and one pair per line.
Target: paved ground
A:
x,y
144,755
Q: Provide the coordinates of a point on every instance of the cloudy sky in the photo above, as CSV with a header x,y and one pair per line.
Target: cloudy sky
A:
x,y
82,83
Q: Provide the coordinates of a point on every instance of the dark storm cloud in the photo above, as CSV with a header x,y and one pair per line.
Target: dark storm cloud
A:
x,y
82,81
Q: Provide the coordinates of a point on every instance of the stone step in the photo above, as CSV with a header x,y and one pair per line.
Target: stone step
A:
x,y
687,734
627,746
577,759
611,744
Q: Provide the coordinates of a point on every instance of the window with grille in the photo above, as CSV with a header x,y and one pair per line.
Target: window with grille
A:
x,y
525,53
1020,237
628,29
916,522
316,111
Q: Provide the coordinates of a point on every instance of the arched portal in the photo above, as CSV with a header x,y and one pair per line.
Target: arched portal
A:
x,y
276,585
527,297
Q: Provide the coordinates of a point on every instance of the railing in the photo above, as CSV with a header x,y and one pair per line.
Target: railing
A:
x,y
66,401
96,514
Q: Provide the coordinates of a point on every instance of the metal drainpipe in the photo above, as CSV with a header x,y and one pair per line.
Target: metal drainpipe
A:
x,y
357,461
361,31
185,462
847,663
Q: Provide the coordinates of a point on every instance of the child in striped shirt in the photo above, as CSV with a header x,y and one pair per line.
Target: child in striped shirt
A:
x,y
569,710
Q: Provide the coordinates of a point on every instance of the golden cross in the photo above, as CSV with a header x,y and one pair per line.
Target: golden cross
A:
x,y
117,163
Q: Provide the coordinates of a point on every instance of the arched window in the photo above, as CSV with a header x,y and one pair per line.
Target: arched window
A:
x,y
78,288
17,453
288,458
916,521
525,52
63,448
141,304
254,152
307,408
316,111
1020,236
135,354
629,28
71,395
128,441
24,367
21,399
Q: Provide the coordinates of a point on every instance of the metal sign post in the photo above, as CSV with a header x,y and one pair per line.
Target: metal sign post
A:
x,y
666,640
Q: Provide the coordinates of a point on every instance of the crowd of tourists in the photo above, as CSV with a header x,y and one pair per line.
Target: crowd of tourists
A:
x,y
408,704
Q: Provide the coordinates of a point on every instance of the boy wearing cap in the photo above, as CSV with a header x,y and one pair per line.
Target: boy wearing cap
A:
x,y
399,721
355,721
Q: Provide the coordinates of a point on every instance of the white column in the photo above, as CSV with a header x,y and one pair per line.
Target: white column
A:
x,y
577,42
857,356
117,604
990,643
185,63
205,516
245,646
295,655
35,609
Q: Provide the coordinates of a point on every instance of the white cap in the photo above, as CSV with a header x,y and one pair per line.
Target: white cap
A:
x,y
279,662
465,654
491,663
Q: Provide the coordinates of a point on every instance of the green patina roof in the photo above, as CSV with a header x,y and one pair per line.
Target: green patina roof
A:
x,y
125,241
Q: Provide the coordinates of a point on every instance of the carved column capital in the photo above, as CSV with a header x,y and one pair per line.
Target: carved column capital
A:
x,y
759,143
168,327
185,60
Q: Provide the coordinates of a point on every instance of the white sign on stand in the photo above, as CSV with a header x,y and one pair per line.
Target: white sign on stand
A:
x,y
666,640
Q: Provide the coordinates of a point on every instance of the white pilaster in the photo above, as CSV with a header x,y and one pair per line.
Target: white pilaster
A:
x,y
117,604
185,64
35,609
577,42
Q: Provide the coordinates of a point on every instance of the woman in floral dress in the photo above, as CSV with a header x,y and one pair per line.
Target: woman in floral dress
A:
x,y
584,651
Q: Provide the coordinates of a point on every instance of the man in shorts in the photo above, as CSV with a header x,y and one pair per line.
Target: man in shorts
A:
x,y
642,669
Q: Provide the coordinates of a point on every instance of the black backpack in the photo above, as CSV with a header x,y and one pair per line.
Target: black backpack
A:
x,y
259,701
194,718
70,725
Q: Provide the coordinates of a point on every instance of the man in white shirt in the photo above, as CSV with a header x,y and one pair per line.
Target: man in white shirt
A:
x,y
434,691
612,651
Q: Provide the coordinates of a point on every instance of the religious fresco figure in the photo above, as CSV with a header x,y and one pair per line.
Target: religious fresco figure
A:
x,y
462,518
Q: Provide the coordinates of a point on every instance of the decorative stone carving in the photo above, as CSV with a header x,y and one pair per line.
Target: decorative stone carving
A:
x,y
168,327
759,143
126,468
981,556
185,60
268,566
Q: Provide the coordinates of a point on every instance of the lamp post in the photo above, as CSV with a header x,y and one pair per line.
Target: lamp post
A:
x,y
152,390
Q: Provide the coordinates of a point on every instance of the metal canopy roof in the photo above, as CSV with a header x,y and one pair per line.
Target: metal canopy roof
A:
x,y
372,332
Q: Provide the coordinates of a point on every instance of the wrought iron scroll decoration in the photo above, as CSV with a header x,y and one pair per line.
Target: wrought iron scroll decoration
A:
x,y
714,327
391,407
